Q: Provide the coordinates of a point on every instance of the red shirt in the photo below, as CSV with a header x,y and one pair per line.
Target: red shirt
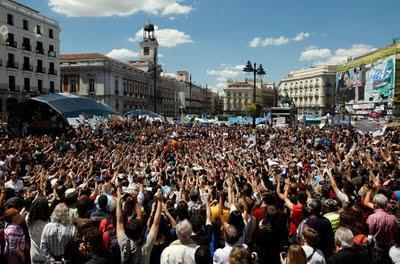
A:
x,y
296,218
259,214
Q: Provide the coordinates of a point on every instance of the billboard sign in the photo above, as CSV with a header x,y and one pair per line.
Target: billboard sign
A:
x,y
370,83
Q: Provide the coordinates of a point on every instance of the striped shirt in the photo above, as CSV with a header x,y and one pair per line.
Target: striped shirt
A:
x,y
54,238
15,238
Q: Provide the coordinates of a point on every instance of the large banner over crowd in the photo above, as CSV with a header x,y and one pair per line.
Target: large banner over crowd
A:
x,y
371,84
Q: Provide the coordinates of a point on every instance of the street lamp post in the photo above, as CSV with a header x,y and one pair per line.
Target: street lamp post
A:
x,y
190,94
256,71
155,82
205,101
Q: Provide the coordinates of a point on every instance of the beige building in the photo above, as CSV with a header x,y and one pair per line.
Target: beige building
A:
x,y
193,98
29,54
269,96
240,94
312,90
99,77
130,85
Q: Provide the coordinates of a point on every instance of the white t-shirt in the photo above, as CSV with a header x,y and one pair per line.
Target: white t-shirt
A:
x,y
16,186
394,254
317,257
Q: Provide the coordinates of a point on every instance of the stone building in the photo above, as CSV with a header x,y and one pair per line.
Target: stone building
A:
x,y
312,90
29,54
240,94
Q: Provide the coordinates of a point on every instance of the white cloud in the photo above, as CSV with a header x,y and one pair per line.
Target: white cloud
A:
x,y
300,36
221,85
341,55
175,8
122,54
223,74
166,37
311,47
275,41
255,42
239,67
171,75
104,8
160,55
282,40
227,72
312,54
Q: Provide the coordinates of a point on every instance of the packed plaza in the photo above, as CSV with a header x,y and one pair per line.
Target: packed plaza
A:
x,y
111,160
135,192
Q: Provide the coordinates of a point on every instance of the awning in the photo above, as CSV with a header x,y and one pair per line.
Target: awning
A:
x,y
310,118
141,112
71,106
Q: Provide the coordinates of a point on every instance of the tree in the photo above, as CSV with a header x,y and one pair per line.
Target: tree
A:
x,y
253,110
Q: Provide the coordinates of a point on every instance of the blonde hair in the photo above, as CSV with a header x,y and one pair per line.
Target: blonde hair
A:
x,y
239,255
296,255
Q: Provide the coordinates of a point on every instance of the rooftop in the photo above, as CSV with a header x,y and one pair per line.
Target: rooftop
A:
x,y
24,6
28,11
84,56
239,84
309,72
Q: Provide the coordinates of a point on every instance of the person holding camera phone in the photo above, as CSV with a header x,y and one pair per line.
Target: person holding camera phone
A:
x,y
295,255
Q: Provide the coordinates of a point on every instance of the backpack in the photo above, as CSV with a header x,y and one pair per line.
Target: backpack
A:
x,y
132,253
110,241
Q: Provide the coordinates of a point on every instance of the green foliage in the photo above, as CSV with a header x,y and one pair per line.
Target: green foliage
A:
x,y
253,110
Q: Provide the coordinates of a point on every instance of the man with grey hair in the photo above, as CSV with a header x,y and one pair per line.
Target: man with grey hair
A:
x,y
57,234
382,226
345,252
183,249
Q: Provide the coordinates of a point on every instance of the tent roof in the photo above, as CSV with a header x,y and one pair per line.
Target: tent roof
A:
x,y
141,112
69,105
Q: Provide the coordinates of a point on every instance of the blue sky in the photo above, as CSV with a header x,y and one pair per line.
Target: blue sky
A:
x,y
212,39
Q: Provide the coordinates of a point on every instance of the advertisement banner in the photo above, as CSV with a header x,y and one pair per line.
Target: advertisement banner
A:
x,y
350,85
372,83
380,80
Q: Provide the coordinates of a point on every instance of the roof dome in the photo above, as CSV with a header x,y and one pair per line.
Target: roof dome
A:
x,y
149,27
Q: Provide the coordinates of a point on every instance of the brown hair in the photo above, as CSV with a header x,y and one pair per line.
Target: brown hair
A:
x,y
239,255
311,236
296,255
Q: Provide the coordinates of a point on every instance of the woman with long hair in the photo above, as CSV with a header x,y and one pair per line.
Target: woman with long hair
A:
x,y
37,218
354,219
295,255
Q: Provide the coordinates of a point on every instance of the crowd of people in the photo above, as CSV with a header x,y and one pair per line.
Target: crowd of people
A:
x,y
135,192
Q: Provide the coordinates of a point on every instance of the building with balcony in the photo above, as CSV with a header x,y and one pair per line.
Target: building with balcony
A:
x,y
99,77
132,85
312,90
240,94
29,54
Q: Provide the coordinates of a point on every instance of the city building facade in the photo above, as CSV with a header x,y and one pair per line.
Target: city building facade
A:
x,y
29,54
312,90
269,96
240,94
104,79
137,84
